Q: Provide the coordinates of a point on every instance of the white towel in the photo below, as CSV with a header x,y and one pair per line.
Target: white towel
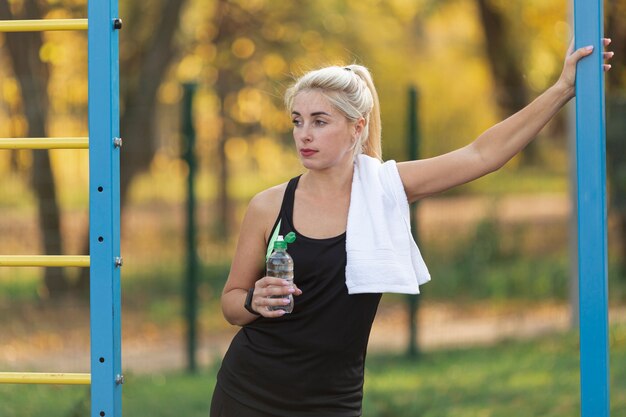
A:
x,y
382,255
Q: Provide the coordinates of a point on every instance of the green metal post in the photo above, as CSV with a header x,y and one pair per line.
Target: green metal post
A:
x,y
413,150
191,282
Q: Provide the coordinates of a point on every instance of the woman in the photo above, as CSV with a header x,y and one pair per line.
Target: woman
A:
x,y
311,362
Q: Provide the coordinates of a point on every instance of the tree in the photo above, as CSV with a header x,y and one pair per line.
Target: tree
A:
x,y
230,20
148,50
33,75
247,35
505,63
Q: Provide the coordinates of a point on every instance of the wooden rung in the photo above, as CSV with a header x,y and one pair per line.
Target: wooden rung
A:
x,y
44,260
41,25
44,143
44,378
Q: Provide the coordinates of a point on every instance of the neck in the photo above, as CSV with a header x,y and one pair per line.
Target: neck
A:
x,y
330,181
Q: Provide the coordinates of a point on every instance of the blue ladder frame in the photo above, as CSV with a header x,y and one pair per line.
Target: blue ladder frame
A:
x,y
104,209
592,212
104,260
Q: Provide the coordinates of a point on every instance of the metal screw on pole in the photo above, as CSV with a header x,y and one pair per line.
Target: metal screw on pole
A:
x,y
117,142
117,23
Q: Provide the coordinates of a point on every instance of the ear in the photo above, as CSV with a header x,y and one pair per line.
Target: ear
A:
x,y
359,125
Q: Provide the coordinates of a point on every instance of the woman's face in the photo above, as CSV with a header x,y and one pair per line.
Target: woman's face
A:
x,y
324,137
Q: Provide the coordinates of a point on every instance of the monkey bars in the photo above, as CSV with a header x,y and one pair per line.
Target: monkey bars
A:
x,y
44,260
41,25
45,143
44,378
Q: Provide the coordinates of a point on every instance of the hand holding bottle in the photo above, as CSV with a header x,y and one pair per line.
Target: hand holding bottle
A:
x,y
273,294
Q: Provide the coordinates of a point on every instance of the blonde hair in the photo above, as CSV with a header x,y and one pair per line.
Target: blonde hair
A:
x,y
350,90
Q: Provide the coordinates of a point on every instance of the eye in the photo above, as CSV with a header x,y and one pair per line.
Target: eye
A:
x,y
295,122
320,123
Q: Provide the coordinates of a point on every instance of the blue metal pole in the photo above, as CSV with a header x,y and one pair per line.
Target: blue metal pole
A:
x,y
104,209
592,212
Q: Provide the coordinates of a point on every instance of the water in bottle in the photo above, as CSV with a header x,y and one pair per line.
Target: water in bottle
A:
x,y
280,265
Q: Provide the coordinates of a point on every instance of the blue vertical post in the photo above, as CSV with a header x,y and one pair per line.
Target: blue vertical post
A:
x,y
592,212
104,209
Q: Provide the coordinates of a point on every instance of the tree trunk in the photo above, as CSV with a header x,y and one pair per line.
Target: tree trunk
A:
x,y
137,122
616,166
33,76
505,65
616,117
139,103
222,222
228,81
616,30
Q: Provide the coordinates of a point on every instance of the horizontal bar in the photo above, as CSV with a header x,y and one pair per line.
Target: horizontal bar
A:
x,y
44,378
44,143
40,25
44,260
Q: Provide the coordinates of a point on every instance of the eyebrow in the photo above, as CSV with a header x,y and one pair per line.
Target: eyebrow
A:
x,y
317,113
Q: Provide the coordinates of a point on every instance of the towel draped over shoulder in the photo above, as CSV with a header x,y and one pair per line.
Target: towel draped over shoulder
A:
x,y
382,255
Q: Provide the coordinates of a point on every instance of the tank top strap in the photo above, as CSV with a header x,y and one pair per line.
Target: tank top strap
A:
x,y
286,209
284,220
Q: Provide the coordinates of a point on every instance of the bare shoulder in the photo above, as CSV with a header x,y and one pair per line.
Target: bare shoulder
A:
x,y
265,206
268,201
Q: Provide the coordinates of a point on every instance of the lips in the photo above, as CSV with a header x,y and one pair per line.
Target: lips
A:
x,y
306,152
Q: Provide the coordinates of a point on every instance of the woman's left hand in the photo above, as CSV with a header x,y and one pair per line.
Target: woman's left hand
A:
x,y
568,76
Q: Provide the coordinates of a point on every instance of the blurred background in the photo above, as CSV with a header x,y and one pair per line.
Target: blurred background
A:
x,y
493,334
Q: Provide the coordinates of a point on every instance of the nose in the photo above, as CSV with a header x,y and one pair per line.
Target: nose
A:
x,y
303,134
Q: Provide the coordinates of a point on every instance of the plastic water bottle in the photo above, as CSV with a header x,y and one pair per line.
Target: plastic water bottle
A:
x,y
280,265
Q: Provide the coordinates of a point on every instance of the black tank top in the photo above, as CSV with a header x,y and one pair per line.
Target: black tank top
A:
x,y
310,362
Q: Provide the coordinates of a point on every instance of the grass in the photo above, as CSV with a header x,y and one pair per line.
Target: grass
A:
x,y
532,378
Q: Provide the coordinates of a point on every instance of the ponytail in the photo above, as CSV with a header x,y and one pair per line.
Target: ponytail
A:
x,y
371,145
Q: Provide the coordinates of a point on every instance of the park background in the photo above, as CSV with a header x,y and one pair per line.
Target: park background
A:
x,y
495,328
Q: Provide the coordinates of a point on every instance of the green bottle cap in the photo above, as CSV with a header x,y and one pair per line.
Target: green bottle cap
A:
x,y
290,238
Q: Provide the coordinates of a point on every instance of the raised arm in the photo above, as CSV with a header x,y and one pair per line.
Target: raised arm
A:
x,y
497,145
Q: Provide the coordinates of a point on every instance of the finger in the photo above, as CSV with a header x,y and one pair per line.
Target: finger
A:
x,y
263,304
276,290
265,312
264,307
585,50
606,67
608,55
297,291
277,302
580,53
275,314
268,281
606,41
